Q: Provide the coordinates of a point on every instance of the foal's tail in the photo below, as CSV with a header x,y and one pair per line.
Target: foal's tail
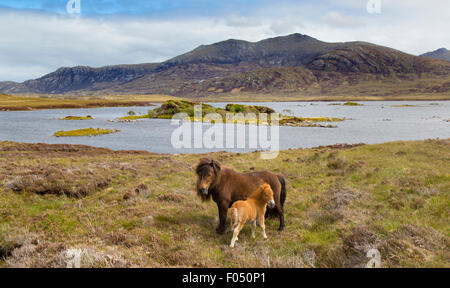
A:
x,y
283,189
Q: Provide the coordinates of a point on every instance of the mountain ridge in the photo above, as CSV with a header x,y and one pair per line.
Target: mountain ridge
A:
x,y
441,53
296,56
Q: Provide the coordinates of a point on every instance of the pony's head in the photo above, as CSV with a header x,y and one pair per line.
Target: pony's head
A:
x,y
267,195
207,173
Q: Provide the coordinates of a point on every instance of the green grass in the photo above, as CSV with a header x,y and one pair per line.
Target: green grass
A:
x,y
393,196
85,132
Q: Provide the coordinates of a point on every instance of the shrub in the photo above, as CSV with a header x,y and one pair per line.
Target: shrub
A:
x,y
51,180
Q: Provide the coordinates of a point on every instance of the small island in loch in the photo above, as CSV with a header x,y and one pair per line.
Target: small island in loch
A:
x,y
85,132
172,107
88,117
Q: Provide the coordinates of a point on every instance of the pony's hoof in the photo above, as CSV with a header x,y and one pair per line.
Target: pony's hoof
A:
x,y
281,228
220,231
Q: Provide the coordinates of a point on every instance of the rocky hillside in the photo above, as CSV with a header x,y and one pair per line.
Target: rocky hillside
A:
x,y
283,64
67,79
291,50
369,58
442,54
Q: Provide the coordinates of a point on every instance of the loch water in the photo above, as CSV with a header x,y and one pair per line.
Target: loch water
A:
x,y
374,122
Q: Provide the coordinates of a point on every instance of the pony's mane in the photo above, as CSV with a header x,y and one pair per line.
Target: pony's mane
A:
x,y
205,162
260,191
201,164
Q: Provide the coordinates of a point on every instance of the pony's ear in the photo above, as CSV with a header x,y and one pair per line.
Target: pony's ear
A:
x,y
216,166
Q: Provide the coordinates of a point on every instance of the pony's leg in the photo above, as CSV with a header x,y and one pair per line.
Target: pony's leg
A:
x,y
281,215
232,225
263,226
234,238
223,210
236,233
253,228
230,229
234,222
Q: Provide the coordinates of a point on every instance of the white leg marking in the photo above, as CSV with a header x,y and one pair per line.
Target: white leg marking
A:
x,y
235,238
263,226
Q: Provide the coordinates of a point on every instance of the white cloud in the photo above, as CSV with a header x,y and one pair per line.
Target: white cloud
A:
x,y
236,20
334,18
287,24
33,44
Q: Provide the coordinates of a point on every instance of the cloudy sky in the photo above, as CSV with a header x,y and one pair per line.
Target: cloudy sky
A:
x,y
38,36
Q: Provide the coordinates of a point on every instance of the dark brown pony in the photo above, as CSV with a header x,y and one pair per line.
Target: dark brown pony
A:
x,y
225,186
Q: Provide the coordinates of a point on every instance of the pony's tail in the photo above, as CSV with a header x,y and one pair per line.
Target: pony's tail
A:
x,y
283,189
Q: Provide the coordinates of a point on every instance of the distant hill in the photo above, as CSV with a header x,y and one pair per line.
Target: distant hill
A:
x,y
291,50
442,54
67,79
289,64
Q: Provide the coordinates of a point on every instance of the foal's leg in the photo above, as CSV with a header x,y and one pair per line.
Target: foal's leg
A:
x,y
236,233
262,225
253,228
234,222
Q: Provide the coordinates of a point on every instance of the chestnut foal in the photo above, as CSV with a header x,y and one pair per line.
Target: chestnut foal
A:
x,y
251,210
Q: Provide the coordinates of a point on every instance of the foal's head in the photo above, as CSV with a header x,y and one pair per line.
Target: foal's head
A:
x,y
266,194
207,172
